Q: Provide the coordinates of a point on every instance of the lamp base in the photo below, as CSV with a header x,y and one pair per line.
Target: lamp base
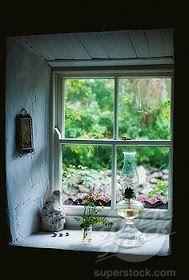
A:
x,y
129,236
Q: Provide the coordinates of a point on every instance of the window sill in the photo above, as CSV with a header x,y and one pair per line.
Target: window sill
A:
x,y
102,241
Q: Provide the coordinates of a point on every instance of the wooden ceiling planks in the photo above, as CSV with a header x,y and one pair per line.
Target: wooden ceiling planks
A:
x,y
37,44
74,46
109,44
113,45
124,44
92,44
167,38
56,44
140,43
155,43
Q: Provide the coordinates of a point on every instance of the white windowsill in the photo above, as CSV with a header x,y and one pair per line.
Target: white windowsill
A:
x,y
102,241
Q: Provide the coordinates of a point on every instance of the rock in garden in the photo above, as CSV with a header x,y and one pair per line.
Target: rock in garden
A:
x,y
83,189
75,180
53,215
166,182
73,191
147,188
153,169
153,180
165,171
157,175
141,171
69,201
108,173
165,177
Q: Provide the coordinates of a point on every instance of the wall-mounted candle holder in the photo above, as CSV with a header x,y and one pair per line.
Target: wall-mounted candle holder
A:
x,y
24,133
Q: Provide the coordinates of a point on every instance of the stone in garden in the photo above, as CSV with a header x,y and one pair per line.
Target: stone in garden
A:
x,y
166,182
165,171
157,175
109,173
153,169
148,172
53,215
73,191
165,177
69,201
141,171
147,188
83,189
153,180
75,180
70,191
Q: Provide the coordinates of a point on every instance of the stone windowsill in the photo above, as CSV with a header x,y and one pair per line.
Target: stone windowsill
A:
x,y
102,241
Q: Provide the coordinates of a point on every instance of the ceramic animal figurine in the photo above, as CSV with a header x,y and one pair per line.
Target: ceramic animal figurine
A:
x,y
53,215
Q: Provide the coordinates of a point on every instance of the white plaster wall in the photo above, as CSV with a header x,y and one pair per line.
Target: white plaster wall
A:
x,y
27,86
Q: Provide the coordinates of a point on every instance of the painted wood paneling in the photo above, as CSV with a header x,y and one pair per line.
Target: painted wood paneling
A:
x,y
109,44
56,44
109,62
132,46
155,43
167,37
124,44
74,46
92,45
38,45
140,43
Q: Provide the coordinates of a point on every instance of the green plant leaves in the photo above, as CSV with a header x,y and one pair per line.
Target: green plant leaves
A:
x,y
90,217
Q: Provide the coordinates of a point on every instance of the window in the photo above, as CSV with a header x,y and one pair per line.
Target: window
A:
x,y
98,115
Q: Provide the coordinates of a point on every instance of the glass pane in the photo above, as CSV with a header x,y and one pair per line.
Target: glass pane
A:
x,y
86,169
89,108
152,166
144,108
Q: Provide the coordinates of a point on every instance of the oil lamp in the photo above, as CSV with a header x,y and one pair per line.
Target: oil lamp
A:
x,y
129,208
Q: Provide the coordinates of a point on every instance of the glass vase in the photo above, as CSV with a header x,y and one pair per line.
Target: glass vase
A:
x,y
87,234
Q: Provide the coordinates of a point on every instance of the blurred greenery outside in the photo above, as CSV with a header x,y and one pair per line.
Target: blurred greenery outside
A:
x,y
143,114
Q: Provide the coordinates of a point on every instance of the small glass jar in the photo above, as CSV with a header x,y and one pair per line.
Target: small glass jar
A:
x,y
87,234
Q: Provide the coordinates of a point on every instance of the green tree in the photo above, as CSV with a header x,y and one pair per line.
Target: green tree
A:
x,y
144,113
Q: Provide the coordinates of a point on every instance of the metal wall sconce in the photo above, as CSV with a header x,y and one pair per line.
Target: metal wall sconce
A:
x,y
24,133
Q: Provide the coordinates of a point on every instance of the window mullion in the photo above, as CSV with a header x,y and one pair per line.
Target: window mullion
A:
x,y
57,160
59,104
170,190
142,143
62,109
114,148
115,123
114,171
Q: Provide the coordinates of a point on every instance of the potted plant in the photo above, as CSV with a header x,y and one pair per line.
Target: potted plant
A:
x,y
91,217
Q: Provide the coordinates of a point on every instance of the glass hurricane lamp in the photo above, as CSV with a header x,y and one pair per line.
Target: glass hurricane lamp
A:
x,y
129,208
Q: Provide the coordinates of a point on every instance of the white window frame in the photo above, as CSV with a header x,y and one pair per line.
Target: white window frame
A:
x,y
58,137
